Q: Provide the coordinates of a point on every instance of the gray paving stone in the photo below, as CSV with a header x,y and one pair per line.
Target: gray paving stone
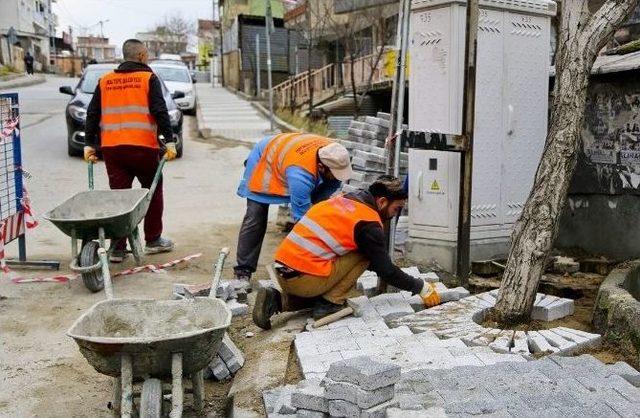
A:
x,y
283,404
219,369
378,411
271,397
555,310
338,408
625,371
434,412
354,394
306,413
539,344
558,341
231,354
367,372
310,395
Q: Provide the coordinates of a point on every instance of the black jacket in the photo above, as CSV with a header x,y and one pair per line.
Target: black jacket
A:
x,y
371,241
157,107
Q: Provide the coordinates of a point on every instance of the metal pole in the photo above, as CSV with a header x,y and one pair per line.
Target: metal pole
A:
x,y
394,90
400,90
216,7
213,47
257,64
268,22
466,166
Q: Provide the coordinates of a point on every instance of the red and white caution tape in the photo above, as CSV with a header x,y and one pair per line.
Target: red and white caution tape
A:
x,y
64,278
7,130
29,218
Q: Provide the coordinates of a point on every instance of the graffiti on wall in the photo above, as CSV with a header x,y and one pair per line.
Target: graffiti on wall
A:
x,y
609,161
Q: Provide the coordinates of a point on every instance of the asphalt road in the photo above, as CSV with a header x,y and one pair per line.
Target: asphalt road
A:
x,y
43,373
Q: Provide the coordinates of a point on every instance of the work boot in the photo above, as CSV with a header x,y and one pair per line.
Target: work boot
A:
x,y
268,303
324,308
161,245
244,277
118,256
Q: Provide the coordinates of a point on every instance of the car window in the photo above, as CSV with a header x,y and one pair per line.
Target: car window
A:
x,y
90,79
173,74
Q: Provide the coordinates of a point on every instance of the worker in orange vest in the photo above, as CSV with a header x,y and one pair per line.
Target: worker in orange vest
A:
x,y
320,261
124,118
296,168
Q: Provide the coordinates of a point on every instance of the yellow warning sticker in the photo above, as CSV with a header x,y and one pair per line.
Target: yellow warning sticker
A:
x,y
435,187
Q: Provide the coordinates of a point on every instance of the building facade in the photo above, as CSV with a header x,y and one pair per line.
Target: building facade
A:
x,y
34,24
95,48
158,42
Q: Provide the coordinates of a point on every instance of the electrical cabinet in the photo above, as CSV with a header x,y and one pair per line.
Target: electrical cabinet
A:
x,y
512,84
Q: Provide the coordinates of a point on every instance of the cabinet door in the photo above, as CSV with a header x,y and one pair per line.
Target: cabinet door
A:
x,y
433,193
436,69
487,149
526,106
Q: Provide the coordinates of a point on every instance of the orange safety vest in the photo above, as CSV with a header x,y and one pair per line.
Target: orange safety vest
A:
x,y
283,151
324,233
125,110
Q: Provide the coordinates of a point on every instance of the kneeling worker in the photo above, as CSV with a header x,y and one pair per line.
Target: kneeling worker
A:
x,y
321,259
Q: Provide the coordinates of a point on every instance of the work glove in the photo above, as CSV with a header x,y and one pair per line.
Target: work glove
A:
x,y
90,154
429,295
170,152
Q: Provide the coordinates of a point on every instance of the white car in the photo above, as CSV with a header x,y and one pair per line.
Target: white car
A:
x,y
177,78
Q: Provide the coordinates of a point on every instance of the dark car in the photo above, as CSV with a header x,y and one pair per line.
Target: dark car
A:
x,y
76,111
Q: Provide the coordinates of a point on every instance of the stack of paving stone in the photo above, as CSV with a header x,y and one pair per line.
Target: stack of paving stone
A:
x,y
232,292
359,387
366,146
228,361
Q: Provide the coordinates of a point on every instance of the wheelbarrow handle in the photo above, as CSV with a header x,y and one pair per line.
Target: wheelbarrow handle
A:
x,y
218,272
90,170
156,178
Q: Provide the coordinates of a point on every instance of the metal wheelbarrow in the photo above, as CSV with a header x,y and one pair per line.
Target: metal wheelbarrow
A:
x,y
151,340
102,215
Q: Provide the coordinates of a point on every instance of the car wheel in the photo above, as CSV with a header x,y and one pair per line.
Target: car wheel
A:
x,y
71,151
179,148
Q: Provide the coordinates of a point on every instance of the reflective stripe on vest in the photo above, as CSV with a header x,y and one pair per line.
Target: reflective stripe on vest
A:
x,y
283,151
125,117
323,234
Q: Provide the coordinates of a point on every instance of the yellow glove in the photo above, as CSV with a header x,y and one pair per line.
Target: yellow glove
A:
x,y
429,295
90,154
170,153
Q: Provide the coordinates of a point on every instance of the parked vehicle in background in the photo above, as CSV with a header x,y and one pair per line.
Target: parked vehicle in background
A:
x,y
76,111
170,57
177,77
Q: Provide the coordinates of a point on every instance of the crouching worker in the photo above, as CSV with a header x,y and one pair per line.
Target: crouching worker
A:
x,y
320,261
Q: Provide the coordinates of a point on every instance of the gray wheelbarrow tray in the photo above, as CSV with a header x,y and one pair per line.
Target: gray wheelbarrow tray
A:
x,y
117,211
150,331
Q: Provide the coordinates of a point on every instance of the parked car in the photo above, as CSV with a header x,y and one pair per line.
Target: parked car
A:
x,y
177,78
76,112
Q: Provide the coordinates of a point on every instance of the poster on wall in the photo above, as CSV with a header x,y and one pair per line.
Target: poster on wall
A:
x,y
609,156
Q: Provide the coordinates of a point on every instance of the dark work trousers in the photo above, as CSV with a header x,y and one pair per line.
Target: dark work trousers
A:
x,y
126,162
254,226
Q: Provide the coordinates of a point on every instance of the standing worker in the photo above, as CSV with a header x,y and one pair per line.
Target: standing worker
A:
x,y
125,115
320,261
295,168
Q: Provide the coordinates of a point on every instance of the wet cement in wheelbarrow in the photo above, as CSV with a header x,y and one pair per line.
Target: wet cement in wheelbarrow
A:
x,y
151,319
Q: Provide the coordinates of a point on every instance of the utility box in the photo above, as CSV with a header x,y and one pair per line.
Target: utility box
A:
x,y
512,90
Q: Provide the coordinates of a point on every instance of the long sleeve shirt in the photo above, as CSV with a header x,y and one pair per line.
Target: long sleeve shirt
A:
x,y
304,189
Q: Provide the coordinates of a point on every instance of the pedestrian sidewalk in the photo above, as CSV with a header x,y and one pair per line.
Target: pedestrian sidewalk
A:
x,y
222,113
22,81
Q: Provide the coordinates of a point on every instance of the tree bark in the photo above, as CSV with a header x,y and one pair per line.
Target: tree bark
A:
x,y
582,35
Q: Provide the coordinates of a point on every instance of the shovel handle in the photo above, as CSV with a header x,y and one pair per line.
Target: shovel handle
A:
x,y
90,172
218,272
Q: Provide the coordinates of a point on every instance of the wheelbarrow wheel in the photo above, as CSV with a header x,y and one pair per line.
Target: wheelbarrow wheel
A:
x,y
88,257
151,399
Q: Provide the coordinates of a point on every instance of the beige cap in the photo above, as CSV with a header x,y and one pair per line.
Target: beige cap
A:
x,y
336,158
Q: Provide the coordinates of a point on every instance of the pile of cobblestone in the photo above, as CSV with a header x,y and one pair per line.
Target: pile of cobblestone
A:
x,y
366,145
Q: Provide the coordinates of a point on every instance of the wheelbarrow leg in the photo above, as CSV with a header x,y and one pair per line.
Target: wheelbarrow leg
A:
x,y
176,386
117,395
197,379
126,376
136,246
104,258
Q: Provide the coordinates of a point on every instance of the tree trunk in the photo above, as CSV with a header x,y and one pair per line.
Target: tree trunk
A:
x,y
582,36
